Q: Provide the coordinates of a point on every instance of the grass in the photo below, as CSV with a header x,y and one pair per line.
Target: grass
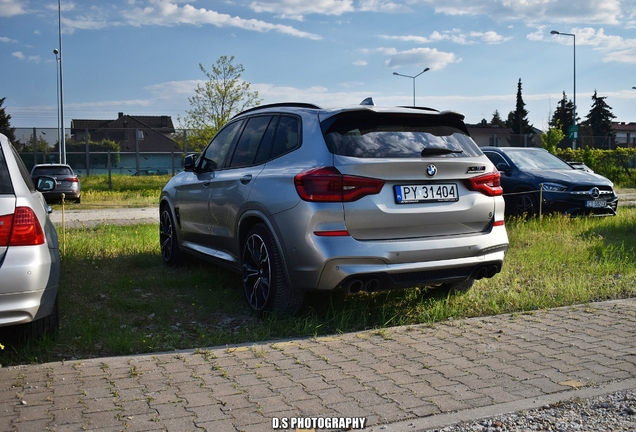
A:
x,y
117,297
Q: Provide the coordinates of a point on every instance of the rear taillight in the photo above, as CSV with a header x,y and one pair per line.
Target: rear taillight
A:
x,y
72,179
327,184
21,228
488,184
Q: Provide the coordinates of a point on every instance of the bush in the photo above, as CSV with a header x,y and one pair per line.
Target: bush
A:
x,y
617,165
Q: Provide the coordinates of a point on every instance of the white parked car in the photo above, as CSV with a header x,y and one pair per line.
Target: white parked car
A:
x,y
29,253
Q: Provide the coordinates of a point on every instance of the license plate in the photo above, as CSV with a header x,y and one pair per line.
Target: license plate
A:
x,y
596,204
440,192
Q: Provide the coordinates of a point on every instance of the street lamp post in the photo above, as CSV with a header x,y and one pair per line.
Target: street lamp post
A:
x,y
62,138
554,32
413,78
57,94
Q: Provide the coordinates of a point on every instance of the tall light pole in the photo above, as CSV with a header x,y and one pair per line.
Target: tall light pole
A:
x,y
554,32
62,138
413,78
57,94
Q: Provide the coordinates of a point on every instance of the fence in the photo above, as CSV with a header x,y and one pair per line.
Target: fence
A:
x,y
144,150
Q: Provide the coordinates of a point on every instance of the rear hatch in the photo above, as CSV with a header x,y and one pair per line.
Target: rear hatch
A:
x,y
426,160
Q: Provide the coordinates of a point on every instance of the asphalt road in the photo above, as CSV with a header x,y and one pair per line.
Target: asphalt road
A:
x,y
116,216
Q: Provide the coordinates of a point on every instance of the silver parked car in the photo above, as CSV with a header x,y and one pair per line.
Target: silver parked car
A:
x,y
29,253
296,197
67,182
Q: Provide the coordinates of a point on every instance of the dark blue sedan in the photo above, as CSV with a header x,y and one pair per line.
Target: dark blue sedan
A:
x,y
565,189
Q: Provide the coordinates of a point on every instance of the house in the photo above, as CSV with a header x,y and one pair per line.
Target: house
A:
x,y
486,134
146,134
625,134
145,141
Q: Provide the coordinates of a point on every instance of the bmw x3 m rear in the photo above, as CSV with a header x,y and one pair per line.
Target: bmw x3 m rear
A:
x,y
296,197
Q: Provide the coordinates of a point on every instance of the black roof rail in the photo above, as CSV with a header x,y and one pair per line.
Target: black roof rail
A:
x,y
420,108
280,104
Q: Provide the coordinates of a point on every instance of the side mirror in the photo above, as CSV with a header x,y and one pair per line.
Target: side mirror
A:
x,y
189,162
503,167
45,183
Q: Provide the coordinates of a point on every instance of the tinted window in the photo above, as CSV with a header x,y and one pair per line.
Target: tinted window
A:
x,y
250,141
6,187
51,171
536,160
495,158
24,172
287,136
214,154
378,135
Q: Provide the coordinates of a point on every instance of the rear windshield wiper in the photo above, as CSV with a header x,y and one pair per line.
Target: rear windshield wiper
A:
x,y
428,151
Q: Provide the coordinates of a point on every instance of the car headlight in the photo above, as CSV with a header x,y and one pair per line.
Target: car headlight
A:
x,y
553,187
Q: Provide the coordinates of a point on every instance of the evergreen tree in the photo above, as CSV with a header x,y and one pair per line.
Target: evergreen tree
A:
x,y
497,120
5,124
563,115
518,119
599,119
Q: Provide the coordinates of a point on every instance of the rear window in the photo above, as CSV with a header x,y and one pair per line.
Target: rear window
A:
x,y
6,187
382,135
51,171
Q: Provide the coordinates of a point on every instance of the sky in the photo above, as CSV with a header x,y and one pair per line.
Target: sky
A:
x,y
141,57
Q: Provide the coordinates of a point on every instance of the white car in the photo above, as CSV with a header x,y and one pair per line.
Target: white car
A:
x,y
29,253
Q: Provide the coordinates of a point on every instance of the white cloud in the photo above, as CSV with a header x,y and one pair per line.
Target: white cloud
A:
x,y
20,55
7,40
614,48
455,35
425,57
360,63
533,11
169,12
10,8
296,9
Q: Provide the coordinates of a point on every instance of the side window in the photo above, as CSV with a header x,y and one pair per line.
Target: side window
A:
x,y
214,155
495,158
6,187
287,136
23,170
250,142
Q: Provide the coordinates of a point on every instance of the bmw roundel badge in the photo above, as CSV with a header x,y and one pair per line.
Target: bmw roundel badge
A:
x,y
431,170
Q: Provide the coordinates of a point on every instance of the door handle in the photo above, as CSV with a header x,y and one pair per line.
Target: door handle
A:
x,y
246,179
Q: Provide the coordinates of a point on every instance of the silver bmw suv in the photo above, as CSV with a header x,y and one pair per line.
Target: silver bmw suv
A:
x,y
296,197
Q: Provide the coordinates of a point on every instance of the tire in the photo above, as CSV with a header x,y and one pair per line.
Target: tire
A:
x,y
170,251
78,200
459,287
524,204
264,281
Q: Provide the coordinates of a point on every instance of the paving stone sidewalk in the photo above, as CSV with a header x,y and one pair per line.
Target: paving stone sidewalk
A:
x,y
402,378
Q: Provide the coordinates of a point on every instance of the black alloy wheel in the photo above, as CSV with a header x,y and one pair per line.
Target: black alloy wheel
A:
x,y
264,280
170,251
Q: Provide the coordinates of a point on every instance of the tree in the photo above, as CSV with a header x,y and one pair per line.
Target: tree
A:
x,y
518,119
564,117
599,119
217,101
497,120
551,139
5,124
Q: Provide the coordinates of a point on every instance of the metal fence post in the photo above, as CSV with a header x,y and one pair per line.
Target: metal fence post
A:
x,y
88,163
172,162
110,180
137,149
35,148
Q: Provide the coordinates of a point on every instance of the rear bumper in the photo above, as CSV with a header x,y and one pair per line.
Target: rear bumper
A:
x,y
29,284
325,263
